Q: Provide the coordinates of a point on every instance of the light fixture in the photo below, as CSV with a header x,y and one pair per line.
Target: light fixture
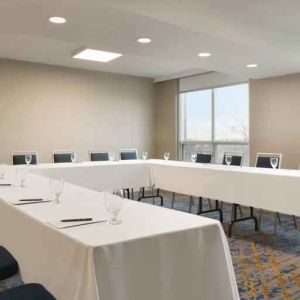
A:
x,y
96,55
204,54
144,40
251,66
57,20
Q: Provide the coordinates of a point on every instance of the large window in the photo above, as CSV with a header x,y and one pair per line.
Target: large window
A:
x,y
215,120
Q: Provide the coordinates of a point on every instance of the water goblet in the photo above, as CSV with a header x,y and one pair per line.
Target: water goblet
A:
x,y
28,159
228,160
144,155
113,204
73,157
274,162
21,175
111,156
56,189
166,155
193,157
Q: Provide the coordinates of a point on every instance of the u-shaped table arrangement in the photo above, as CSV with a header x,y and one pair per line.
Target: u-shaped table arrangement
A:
x,y
155,253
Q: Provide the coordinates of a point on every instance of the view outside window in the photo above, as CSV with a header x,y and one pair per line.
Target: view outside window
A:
x,y
198,115
215,120
231,113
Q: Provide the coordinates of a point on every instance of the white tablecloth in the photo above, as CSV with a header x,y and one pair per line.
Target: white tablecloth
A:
x,y
100,176
155,254
275,190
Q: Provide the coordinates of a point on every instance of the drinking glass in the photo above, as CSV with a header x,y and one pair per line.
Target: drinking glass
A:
x,y
113,204
166,155
56,189
145,155
193,157
28,159
21,176
111,156
228,160
274,162
73,157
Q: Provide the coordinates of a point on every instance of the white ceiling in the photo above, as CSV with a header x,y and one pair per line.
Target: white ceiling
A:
x,y
236,32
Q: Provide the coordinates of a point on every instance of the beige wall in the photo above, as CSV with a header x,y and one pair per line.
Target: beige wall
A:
x,y
45,107
166,118
275,118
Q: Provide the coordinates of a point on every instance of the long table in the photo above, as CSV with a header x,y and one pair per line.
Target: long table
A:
x,y
274,190
156,253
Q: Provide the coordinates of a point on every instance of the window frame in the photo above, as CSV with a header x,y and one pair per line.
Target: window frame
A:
x,y
182,123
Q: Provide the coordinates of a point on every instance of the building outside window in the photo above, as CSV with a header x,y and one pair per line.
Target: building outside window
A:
x,y
215,120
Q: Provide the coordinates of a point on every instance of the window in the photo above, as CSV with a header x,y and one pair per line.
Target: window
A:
x,y
215,120
198,115
231,113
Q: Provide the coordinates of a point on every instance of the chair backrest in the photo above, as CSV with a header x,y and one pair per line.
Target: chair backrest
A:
x,y
18,157
126,154
62,156
237,158
98,155
204,158
263,160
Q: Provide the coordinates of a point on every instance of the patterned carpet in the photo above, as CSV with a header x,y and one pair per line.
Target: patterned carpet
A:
x,y
267,265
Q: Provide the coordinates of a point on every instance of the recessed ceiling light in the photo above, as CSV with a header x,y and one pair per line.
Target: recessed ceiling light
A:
x,y
144,40
252,66
204,54
96,55
57,20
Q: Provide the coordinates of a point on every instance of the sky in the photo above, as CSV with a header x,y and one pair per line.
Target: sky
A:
x,y
231,113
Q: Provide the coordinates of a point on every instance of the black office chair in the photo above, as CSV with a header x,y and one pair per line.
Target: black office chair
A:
x,y
61,156
98,155
18,158
204,158
8,265
127,154
31,291
236,159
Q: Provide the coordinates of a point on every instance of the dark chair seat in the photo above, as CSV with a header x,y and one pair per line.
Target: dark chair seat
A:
x,y
31,291
8,265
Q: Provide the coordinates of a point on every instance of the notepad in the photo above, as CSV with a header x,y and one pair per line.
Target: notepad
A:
x,y
60,225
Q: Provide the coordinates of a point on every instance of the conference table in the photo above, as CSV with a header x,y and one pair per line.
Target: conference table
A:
x,y
155,253
274,190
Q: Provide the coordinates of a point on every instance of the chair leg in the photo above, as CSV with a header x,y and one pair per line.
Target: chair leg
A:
x,y
260,218
128,193
152,191
141,192
277,218
241,212
295,222
191,202
209,203
173,200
